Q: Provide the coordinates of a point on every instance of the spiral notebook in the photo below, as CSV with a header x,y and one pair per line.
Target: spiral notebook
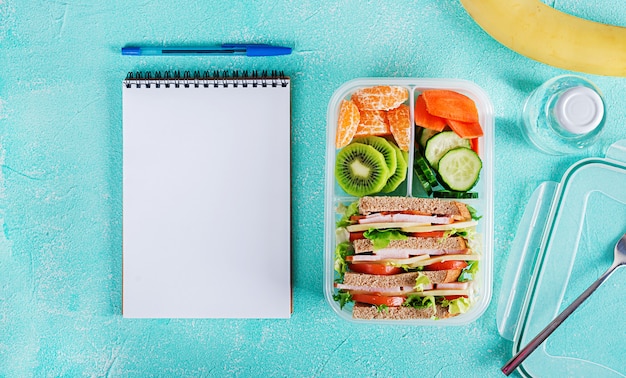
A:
x,y
206,195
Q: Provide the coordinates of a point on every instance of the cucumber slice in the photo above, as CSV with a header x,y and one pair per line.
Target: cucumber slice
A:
x,y
428,189
422,165
459,169
425,135
454,194
440,144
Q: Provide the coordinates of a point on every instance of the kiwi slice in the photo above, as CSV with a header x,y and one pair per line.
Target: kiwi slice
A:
x,y
384,147
400,174
361,170
405,155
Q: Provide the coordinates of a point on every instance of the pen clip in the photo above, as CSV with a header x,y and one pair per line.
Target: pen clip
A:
x,y
243,45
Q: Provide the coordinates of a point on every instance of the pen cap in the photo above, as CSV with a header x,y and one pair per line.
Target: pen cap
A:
x,y
131,50
266,50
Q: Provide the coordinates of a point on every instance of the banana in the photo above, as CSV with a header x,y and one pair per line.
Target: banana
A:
x,y
547,35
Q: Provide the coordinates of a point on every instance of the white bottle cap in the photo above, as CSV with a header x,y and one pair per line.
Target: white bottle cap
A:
x,y
579,110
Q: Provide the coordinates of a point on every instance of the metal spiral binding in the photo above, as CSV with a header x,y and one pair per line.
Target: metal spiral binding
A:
x,y
206,79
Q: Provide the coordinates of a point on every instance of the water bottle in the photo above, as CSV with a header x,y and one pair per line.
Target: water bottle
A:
x,y
564,115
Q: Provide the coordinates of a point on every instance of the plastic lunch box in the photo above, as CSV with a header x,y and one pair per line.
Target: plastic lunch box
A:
x,y
412,188
564,242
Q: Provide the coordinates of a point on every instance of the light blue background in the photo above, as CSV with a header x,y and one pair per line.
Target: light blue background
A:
x,y
60,183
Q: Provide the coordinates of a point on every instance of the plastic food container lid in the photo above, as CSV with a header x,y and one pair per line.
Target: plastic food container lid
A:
x,y
564,242
579,110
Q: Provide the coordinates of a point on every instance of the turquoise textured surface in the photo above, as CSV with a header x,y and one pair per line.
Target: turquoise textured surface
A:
x,y
60,183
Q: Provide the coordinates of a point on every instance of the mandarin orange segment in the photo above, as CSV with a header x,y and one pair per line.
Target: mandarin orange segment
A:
x,y
373,122
382,97
400,126
349,119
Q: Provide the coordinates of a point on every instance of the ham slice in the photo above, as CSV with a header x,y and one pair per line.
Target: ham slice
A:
x,y
405,218
453,286
398,253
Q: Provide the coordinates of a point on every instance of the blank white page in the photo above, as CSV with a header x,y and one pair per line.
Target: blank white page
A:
x,y
206,202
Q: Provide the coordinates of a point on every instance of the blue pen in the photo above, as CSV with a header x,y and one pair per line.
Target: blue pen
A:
x,y
225,49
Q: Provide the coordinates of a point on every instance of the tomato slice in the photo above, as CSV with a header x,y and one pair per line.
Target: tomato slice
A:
x,y
474,145
378,300
430,234
451,297
356,235
378,269
415,212
446,265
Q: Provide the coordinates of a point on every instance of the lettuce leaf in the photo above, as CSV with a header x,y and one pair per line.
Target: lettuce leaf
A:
x,y
341,252
457,306
469,272
382,308
473,212
407,268
421,281
381,238
343,297
342,235
418,301
347,212
467,233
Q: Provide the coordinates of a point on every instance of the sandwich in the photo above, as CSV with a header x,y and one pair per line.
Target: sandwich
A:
x,y
406,258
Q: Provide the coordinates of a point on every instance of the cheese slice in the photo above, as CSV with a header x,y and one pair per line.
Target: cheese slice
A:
x,y
411,227
442,292
413,262
366,226
439,227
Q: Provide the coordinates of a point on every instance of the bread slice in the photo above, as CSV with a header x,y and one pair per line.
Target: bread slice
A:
x,y
367,312
443,276
402,279
434,206
455,243
443,313
373,280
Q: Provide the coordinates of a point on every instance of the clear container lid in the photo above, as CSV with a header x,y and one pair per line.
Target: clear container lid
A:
x,y
564,242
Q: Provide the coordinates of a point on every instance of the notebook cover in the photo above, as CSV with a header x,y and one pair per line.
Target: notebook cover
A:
x,y
206,201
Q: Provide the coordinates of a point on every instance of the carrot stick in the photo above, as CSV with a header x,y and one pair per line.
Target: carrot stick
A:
x,y
466,130
424,119
450,105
